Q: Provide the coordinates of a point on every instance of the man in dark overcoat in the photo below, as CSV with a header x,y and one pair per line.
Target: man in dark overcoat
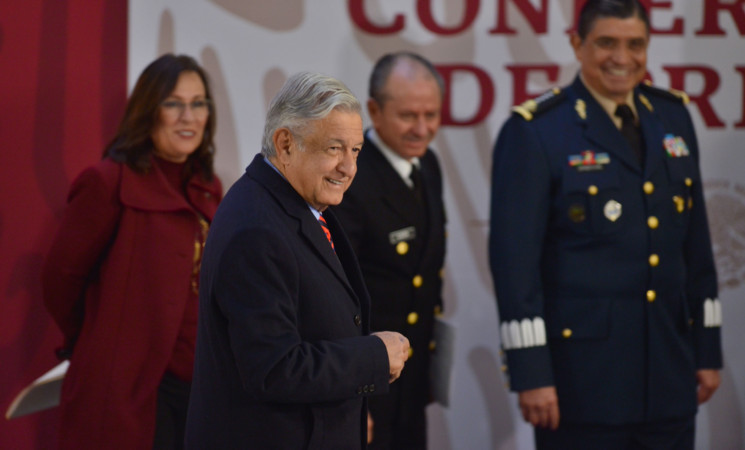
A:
x,y
284,355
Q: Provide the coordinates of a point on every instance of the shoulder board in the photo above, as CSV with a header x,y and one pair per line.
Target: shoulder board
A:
x,y
672,94
543,102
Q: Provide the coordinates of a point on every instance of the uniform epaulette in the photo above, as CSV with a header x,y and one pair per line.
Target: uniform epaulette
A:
x,y
543,102
673,94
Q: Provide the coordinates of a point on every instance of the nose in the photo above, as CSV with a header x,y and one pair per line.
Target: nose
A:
x,y
621,55
420,127
187,114
348,163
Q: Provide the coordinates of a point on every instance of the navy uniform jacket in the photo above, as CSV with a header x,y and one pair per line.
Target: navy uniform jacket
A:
x,y
283,359
603,270
401,259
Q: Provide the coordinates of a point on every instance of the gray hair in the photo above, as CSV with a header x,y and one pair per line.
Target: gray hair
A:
x,y
305,97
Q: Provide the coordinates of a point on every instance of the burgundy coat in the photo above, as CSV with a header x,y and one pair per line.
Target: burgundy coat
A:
x,y
116,282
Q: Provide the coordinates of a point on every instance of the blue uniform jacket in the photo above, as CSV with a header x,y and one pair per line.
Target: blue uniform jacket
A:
x,y
603,270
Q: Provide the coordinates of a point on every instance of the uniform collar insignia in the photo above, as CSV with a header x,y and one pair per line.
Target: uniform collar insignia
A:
x,y
645,102
581,108
675,146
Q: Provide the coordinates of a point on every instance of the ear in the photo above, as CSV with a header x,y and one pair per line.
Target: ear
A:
x,y
374,111
283,143
576,42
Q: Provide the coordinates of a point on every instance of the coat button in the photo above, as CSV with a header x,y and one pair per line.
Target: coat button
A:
x,y
411,352
412,318
688,182
654,260
592,190
653,222
567,333
648,187
438,310
432,345
417,281
651,296
357,320
402,248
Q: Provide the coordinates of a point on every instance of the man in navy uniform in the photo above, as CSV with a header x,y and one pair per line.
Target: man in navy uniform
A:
x,y
600,251
395,219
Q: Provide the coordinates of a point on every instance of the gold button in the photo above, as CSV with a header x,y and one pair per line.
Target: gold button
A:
x,y
442,273
412,318
417,281
402,248
653,222
592,190
688,182
411,352
654,260
432,345
567,333
651,296
648,187
438,310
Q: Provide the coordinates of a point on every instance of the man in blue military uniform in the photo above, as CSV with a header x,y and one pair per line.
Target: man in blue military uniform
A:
x,y
600,251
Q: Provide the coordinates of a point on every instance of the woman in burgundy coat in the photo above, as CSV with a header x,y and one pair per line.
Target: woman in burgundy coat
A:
x,y
121,277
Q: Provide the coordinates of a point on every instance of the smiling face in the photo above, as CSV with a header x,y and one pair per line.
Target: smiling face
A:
x,y
613,56
408,119
322,166
178,133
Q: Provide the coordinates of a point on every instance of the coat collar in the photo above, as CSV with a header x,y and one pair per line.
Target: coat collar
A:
x,y
308,227
600,129
152,192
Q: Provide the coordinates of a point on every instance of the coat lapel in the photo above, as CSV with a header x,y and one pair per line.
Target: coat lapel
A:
x,y
654,133
396,194
295,206
152,192
600,130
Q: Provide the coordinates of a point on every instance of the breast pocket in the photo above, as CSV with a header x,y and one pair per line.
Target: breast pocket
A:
x,y
590,201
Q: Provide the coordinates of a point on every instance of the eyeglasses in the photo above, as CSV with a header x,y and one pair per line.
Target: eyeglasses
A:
x,y
174,109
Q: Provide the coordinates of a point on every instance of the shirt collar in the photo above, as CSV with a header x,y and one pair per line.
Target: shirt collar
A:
x,y
401,165
610,105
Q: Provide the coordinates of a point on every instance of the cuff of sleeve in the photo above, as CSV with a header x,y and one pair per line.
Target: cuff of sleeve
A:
x,y
529,368
708,344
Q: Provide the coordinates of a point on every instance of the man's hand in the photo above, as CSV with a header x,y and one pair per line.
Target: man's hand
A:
x,y
370,426
540,407
398,351
708,382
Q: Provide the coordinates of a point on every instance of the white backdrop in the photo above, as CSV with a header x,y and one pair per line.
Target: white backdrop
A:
x,y
250,47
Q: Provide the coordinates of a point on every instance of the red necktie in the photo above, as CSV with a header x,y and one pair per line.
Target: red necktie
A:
x,y
326,231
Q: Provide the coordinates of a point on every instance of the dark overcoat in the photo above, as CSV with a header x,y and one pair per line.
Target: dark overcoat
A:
x,y
284,359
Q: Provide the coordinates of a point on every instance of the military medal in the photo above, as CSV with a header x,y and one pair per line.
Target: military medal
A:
x,y
588,160
675,146
612,210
